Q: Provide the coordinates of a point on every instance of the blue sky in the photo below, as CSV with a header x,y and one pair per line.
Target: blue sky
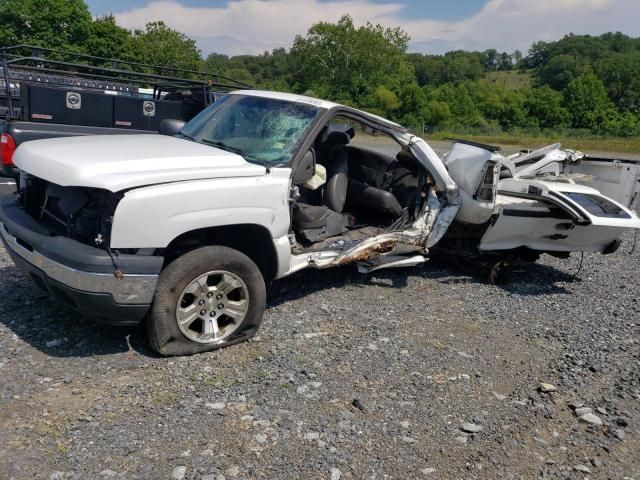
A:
x,y
435,26
440,9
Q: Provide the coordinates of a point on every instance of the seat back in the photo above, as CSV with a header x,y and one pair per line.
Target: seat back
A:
x,y
374,199
334,153
369,166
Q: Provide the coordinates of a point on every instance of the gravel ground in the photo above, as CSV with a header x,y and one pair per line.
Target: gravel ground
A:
x,y
419,373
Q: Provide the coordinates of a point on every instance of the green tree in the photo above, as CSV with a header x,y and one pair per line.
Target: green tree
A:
x,y
506,61
620,73
517,58
382,102
216,62
545,106
538,55
499,105
240,74
455,66
437,113
462,106
586,100
560,70
341,60
487,98
460,65
490,59
60,24
270,70
108,40
160,45
413,105
624,125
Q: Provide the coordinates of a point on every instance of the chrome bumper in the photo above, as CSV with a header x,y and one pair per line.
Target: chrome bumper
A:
x,y
127,290
7,186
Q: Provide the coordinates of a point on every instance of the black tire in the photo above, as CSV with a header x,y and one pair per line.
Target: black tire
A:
x,y
501,273
164,333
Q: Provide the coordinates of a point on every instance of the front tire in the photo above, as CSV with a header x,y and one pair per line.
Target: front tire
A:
x,y
207,299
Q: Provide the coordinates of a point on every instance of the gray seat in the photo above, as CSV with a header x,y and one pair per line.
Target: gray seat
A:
x,y
317,222
374,199
334,155
314,223
392,178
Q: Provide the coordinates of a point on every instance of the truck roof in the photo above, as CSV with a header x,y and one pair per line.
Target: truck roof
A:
x,y
288,97
296,98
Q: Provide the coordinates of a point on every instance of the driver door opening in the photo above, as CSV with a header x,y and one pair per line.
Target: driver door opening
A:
x,y
364,184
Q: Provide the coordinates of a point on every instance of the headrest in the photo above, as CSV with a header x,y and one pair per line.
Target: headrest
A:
x,y
405,157
335,135
337,138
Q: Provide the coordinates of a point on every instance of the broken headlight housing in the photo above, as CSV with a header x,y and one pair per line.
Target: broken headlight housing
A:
x,y
84,214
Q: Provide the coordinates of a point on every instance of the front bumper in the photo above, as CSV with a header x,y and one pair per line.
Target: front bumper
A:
x,y
76,274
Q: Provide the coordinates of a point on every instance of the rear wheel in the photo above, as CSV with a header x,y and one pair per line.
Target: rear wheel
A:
x,y
207,299
501,272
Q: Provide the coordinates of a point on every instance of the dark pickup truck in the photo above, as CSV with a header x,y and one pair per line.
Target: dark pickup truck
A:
x,y
46,93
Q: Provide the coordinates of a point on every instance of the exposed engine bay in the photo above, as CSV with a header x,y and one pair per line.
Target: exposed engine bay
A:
x,y
83,214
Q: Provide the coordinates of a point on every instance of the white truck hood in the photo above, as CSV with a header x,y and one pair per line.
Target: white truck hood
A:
x,y
120,162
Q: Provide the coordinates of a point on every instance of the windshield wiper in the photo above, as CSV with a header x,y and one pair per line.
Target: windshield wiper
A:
x,y
223,146
229,148
186,136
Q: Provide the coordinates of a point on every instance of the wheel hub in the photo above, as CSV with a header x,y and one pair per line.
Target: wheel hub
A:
x,y
212,306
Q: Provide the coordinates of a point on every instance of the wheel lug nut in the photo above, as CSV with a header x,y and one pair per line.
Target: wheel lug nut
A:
x,y
220,306
212,314
209,294
201,302
202,312
219,296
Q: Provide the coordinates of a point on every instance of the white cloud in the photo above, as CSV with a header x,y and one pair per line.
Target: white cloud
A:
x,y
253,26
515,24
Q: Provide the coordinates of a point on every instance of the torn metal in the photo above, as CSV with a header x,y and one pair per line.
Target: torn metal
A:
x,y
516,207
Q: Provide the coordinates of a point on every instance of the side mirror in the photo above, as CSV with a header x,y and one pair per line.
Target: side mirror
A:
x,y
170,126
305,168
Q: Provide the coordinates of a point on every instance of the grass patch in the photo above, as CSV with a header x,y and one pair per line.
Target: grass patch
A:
x,y
17,442
163,398
300,359
626,145
510,79
63,447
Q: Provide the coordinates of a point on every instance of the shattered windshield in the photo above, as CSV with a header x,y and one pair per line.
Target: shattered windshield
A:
x,y
262,130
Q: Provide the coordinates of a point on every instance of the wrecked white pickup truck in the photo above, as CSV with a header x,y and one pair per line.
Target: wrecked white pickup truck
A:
x,y
186,230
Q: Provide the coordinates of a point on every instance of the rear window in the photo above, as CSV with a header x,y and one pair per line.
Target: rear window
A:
x,y
596,205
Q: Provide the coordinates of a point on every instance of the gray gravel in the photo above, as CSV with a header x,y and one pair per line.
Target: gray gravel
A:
x,y
422,373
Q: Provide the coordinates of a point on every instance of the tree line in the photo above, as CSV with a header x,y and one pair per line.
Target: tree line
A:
x,y
580,81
